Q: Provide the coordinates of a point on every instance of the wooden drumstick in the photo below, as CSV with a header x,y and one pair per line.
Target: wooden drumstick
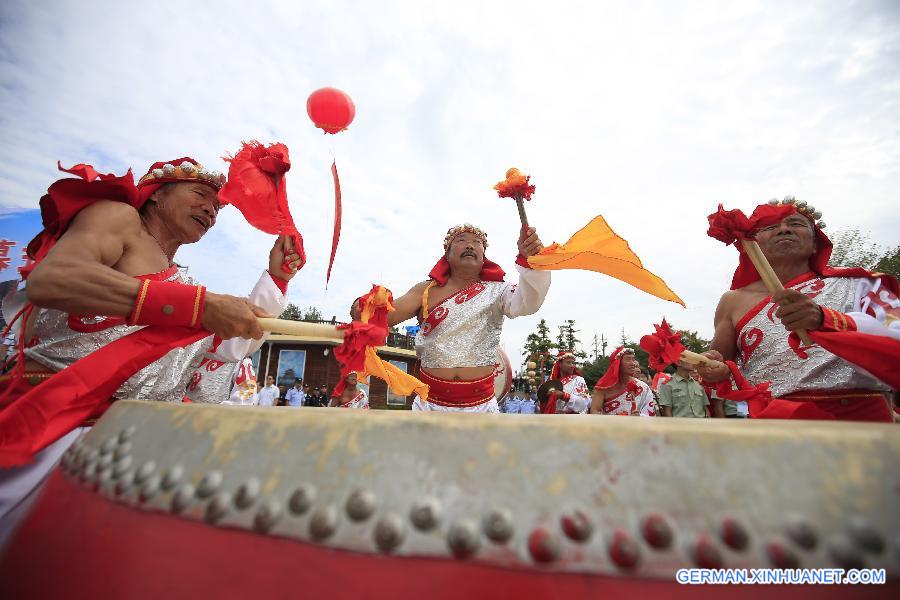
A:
x,y
768,276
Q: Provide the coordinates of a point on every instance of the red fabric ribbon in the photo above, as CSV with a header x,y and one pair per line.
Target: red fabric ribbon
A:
x,y
664,346
729,226
82,390
757,397
336,236
257,187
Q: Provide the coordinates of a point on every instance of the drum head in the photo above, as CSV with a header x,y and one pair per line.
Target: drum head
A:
x,y
502,375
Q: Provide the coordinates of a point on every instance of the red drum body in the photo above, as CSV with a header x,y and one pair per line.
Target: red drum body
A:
x,y
196,501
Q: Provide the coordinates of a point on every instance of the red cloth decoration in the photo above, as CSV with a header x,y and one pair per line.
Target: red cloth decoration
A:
x,y
257,187
490,271
370,330
82,390
664,346
65,198
330,109
549,407
336,236
757,397
611,376
729,226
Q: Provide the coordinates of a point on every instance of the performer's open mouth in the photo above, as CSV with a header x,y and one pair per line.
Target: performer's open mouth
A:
x,y
469,253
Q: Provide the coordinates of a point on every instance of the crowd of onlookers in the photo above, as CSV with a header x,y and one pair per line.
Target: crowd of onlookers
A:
x,y
299,394
677,395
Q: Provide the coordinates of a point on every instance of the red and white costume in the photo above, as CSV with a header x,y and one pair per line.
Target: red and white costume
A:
x,y
359,400
85,357
217,382
635,400
464,331
56,345
859,338
764,353
576,396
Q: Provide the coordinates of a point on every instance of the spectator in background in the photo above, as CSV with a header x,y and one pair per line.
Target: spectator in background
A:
x,y
295,395
527,406
644,375
514,404
682,396
268,395
282,390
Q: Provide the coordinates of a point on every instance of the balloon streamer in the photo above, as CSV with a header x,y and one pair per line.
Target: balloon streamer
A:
x,y
336,237
332,111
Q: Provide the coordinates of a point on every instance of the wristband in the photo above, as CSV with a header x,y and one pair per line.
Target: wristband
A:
x,y
168,303
522,261
833,320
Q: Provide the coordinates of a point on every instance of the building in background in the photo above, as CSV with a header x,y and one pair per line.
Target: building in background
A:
x,y
289,357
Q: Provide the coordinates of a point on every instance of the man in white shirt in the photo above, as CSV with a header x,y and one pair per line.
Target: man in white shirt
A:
x,y
295,395
269,394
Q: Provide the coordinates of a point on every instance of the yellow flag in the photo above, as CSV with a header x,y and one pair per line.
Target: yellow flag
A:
x,y
402,384
596,247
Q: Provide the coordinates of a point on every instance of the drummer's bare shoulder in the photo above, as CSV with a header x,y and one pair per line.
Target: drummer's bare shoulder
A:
x,y
101,233
733,305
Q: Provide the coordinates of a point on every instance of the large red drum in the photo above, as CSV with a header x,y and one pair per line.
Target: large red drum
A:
x,y
195,501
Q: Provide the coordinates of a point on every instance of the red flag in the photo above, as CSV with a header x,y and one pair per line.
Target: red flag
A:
x,y
256,187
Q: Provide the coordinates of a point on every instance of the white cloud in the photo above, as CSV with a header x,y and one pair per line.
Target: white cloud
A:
x,y
646,112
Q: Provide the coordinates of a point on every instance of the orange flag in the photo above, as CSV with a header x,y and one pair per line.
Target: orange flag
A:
x,y
596,247
374,308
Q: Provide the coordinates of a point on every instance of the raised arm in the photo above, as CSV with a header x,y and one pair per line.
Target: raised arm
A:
x,y
406,306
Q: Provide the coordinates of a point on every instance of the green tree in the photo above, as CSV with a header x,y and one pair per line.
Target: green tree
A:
x,y
593,370
291,312
889,263
538,343
561,338
694,342
852,248
572,341
312,314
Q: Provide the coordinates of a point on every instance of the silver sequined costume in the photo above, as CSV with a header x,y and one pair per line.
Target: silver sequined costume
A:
x,y
764,354
57,346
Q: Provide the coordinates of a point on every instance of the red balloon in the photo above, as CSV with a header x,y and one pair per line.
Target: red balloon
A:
x,y
330,109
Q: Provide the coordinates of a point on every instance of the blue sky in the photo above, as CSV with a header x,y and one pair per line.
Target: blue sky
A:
x,y
649,113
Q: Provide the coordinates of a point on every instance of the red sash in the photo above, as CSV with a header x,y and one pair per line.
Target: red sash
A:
x,y
826,405
458,394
